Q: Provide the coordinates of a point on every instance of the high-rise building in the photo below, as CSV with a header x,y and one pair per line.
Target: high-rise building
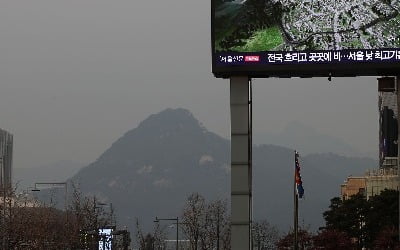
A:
x,y
387,126
387,175
6,156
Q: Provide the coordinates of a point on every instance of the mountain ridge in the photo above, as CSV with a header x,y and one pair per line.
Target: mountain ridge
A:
x,y
295,133
151,169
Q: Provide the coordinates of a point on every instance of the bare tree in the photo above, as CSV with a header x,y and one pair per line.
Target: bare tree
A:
x,y
265,235
226,235
214,225
86,217
193,219
150,241
140,238
159,237
28,224
206,225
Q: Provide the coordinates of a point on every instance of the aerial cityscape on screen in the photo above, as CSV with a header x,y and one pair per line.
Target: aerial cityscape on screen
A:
x,y
304,25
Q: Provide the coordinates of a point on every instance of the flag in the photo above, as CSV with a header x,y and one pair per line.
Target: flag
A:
x,y
298,181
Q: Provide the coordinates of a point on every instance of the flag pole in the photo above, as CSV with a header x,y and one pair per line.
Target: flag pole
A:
x,y
296,205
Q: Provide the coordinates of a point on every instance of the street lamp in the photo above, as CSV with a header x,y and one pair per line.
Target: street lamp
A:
x,y
25,194
157,220
111,213
53,184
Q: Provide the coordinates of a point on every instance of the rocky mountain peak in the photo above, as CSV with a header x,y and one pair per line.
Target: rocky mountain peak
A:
x,y
171,120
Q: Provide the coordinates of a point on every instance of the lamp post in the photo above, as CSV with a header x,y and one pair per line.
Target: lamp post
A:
x,y
177,228
110,225
53,184
111,214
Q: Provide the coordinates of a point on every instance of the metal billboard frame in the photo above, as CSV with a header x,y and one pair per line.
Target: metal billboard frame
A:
x,y
300,70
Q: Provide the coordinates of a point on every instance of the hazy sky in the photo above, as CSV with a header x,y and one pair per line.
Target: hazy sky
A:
x,y
75,75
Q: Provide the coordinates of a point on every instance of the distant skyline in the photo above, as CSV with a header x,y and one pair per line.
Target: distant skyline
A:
x,y
75,76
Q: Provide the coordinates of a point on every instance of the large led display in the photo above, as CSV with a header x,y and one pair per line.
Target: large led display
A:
x,y
105,239
306,38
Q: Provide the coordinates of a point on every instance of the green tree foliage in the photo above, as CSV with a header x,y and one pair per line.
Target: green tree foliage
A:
x,y
263,14
348,216
364,220
387,239
383,213
330,239
236,23
220,2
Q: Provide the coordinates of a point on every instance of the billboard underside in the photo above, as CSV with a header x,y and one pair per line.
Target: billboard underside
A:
x,y
285,38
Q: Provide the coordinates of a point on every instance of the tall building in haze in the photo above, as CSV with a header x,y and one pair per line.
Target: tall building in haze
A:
x,y
387,175
387,126
6,156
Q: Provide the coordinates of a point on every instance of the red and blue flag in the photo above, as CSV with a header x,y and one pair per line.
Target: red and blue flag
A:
x,y
298,181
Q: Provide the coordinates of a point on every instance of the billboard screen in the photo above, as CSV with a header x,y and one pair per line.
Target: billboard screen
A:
x,y
105,239
306,38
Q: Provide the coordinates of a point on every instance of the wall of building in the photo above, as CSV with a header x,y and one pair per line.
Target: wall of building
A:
x,y
6,158
372,183
353,186
377,181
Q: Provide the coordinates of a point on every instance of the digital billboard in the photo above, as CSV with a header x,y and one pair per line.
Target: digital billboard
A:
x,y
105,238
306,38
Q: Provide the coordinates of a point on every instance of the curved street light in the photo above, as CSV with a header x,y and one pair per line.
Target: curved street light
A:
x,y
157,220
53,184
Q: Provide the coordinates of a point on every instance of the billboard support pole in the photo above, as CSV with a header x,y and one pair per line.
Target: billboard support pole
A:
x,y
397,79
241,162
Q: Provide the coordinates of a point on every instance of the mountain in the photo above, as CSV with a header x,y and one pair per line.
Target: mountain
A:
x,y
307,140
151,170
322,174
55,172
